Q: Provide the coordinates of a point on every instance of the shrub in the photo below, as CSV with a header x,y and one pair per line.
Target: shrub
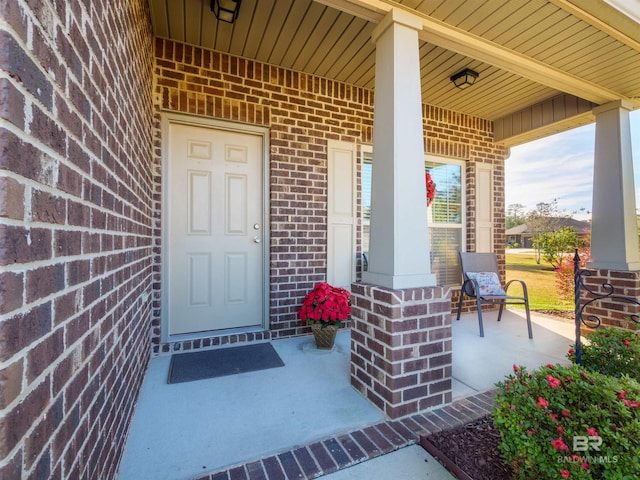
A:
x,y
567,422
611,351
565,274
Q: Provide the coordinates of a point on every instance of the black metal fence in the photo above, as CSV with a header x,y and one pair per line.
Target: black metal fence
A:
x,y
607,292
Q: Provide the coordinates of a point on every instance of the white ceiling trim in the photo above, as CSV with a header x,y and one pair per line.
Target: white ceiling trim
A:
x,y
610,30
457,40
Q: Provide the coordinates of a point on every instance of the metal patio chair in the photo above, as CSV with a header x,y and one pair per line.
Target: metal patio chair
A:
x,y
481,280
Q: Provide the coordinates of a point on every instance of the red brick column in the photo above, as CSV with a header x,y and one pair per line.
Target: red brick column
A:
x,y
612,311
401,347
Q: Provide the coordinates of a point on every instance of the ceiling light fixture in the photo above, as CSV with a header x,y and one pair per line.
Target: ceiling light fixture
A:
x,y
226,10
465,78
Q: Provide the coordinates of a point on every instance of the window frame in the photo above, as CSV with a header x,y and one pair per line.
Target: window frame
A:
x,y
463,203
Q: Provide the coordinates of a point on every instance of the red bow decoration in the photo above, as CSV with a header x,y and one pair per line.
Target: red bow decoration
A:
x,y
431,189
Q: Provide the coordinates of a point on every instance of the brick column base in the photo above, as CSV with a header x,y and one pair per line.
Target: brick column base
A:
x,y
612,311
401,347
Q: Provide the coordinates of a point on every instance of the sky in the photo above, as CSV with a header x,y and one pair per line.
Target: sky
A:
x,y
561,167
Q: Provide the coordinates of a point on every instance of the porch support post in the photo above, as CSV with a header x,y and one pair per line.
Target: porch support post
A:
x,y
399,244
401,357
614,233
401,330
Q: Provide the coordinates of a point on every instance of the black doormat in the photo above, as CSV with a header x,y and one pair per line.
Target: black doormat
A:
x,y
187,367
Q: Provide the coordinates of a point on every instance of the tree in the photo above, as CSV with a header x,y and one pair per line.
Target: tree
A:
x,y
515,215
544,219
556,245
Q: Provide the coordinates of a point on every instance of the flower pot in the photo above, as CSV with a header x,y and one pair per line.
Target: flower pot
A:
x,y
325,337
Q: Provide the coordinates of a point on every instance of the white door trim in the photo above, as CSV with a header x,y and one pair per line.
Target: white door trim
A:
x,y
169,118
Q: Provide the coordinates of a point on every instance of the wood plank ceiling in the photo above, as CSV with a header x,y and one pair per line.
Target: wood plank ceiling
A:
x,y
526,51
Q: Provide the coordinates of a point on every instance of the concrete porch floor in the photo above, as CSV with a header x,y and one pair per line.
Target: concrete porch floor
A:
x,y
195,429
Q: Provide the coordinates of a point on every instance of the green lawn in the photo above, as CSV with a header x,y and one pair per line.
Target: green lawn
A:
x,y
540,280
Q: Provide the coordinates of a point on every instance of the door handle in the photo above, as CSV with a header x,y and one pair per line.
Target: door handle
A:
x,y
257,239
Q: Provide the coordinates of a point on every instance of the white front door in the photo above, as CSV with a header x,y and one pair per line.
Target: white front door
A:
x,y
213,189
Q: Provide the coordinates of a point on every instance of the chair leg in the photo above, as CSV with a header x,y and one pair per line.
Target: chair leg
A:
x,y
526,307
500,312
480,316
460,302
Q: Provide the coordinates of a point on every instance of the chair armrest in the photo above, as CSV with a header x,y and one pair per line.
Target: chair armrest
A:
x,y
470,283
525,294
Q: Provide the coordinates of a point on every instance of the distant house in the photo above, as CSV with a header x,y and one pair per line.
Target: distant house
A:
x,y
523,235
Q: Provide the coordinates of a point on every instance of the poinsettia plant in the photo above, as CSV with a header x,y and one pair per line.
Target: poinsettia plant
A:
x,y
431,188
326,304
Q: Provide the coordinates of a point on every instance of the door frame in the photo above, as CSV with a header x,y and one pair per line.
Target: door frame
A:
x,y
171,118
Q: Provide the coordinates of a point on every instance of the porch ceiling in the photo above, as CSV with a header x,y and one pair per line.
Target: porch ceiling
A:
x,y
526,52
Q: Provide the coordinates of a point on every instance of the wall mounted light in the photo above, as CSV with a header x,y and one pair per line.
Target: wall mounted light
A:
x,y
465,78
226,10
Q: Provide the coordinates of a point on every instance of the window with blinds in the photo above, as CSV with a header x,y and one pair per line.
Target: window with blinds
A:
x,y
446,215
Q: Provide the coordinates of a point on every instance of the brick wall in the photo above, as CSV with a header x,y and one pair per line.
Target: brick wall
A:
x,y
302,113
75,233
614,311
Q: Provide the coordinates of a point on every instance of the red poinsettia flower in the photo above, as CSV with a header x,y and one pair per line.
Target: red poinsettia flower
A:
x,y
326,304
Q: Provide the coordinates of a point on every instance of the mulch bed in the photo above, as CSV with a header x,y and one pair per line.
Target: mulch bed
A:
x,y
474,449
563,314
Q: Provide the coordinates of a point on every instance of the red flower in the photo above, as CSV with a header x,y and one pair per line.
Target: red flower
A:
x,y
571,351
626,343
515,368
564,473
542,402
592,432
553,382
559,444
565,413
325,304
